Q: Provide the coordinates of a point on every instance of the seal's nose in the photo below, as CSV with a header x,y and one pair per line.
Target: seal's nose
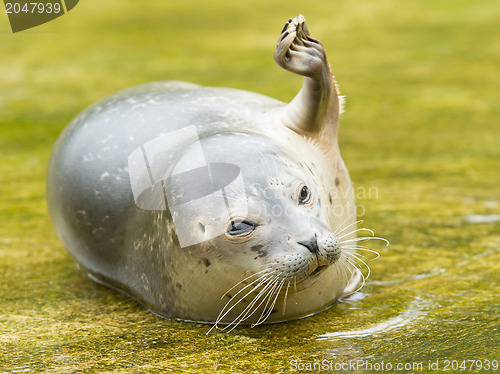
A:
x,y
311,244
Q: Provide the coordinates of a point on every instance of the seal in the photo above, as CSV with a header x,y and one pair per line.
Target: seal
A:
x,y
213,204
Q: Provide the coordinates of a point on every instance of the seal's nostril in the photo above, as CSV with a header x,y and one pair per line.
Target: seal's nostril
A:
x,y
312,245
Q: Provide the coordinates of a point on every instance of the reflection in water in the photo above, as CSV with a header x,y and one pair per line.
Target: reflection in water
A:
x,y
21,369
417,308
483,218
355,297
428,274
477,257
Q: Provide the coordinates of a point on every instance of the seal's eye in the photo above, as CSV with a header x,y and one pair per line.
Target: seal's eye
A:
x,y
304,195
240,228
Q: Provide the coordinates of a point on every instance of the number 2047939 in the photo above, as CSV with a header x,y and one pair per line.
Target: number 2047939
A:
x,y
16,8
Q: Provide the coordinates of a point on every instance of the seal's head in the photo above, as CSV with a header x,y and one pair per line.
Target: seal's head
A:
x,y
262,232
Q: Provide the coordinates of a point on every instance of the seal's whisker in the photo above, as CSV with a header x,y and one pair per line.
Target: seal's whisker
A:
x,y
354,264
353,251
339,262
345,228
335,232
361,248
363,238
267,283
262,279
286,295
340,227
237,320
269,290
351,255
347,257
263,294
273,289
346,267
362,283
352,261
355,254
266,299
336,266
276,169
356,246
268,310
237,284
268,266
271,308
357,230
249,309
264,161
278,290
238,192
220,317
355,259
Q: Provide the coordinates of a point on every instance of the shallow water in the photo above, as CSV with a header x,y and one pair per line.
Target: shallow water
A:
x,y
420,132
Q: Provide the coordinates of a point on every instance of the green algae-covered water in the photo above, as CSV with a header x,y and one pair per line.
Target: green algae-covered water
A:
x,y
420,137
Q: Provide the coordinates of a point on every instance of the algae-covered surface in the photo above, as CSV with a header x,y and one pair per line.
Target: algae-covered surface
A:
x,y
420,137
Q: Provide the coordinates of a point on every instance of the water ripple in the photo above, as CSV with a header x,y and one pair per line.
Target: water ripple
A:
x,y
417,308
483,218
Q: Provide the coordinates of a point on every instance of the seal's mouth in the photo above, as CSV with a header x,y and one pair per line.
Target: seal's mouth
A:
x,y
311,278
318,270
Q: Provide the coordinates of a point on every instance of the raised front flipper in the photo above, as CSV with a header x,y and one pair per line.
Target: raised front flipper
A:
x,y
317,105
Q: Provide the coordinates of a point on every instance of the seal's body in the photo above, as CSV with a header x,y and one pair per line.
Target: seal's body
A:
x,y
212,204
